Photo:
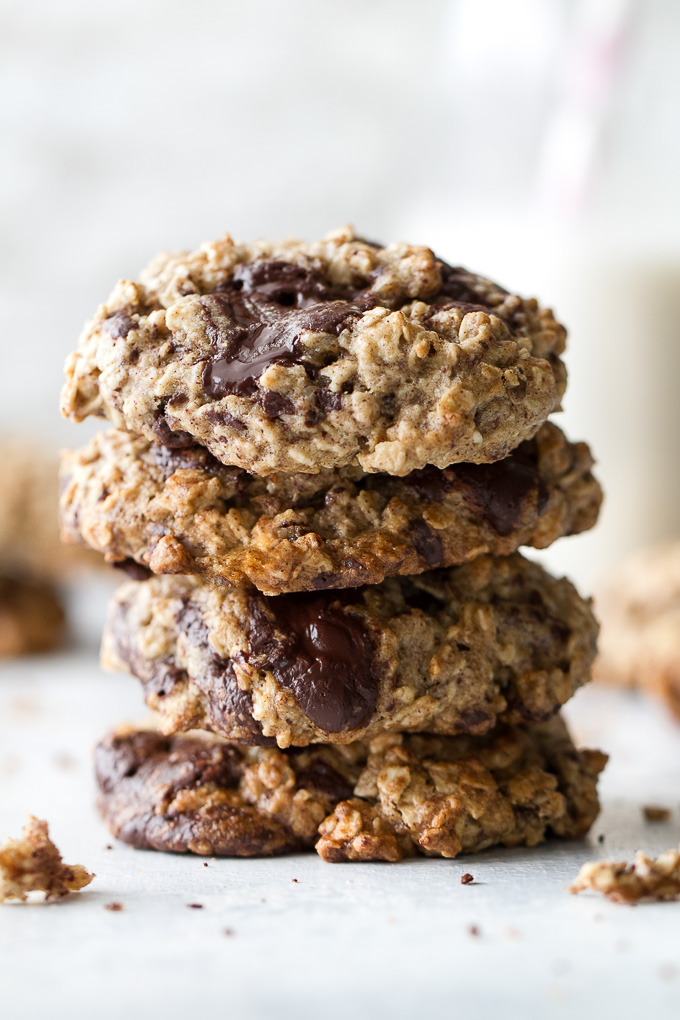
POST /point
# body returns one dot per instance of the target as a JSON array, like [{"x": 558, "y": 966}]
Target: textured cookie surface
[
  {"x": 296, "y": 357},
  {"x": 381, "y": 800},
  {"x": 446, "y": 651},
  {"x": 31, "y": 618},
  {"x": 640, "y": 613},
  {"x": 181, "y": 511}
]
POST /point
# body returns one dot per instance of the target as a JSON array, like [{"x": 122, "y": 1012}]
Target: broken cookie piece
[
  {"x": 33, "y": 864},
  {"x": 648, "y": 880}
]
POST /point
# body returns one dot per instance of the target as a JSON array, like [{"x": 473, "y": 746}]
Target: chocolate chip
[
  {"x": 174, "y": 438},
  {"x": 322, "y": 654},
  {"x": 499, "y": 491},
  {"x": 275, "y": 404},
  {"x": 218, "y": 417},
  {"x": 427, "y": 543},
  {"x": 135, "y": 571},
  {"x": 467, "y": 878},
  {"x": 328, "y": 400},
  {"x": 119, "y": 325},
  {"x": 195, "y": 906}
]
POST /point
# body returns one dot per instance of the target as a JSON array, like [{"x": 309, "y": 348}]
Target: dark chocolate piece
[
  {"x": 499, "y": 490},
  {"x": 119, "y": 325},
  {"x": 256, "y": 319},
  {"x": 322, "y": 654},
  {"x": 427, "y": 543}
]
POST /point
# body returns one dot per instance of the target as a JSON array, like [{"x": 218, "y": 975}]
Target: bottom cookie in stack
[{"x": 383, "y": 799}]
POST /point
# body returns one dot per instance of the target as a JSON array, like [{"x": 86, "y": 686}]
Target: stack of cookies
[{"x": 324, "y": 459}]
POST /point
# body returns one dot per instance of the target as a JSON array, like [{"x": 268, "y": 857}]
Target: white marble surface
[{"x": 344, "y": 940}]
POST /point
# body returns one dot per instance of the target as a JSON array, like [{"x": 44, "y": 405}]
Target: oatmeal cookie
[
  {"x": 382, "y": 800},
  {"x": 446, "y": 651},
  {"x": 31, "y": 618},
  {"x": 297, "y": 357},
  {"x": 640, "y": 613},
  {"x": 182, "y": 512},
  {"x": 29, "y": 528},
  {"x": 33, "y": 864}
]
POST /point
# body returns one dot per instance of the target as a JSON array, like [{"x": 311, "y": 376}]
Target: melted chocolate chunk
[
  {"x": 119, "y": 325},
  {"x": 427, "y": 543},
  {"x": 168, "y": 437},
  {"x": 323, "y": 655},
  {"x": 498, "y": 491},
  {"x": 257, "y": 318}
]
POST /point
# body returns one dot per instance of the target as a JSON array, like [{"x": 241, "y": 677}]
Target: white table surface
[{"x": 344, "y": 940}]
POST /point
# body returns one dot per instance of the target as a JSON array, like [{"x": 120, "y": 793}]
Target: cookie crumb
[
  {"x": 228, "y": 931},
  {"x": 113, "y": 906},
  {"x": 33, "y": 864},
  {"x": 647, "y": 880},
  {"x": 293, "y": 879},
  {"x": 600, "y": 838},
  {"x": 205, "y": 864},
  {"x": 467, "y": 878},
  {"x": 656, "y": 813},
  {"x": 108, "y": 847},
  {"x": 195, "y": 906},
  {"x": 474, "y": 930}
]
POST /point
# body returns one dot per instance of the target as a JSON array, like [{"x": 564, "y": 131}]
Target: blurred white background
[{"x": 536, "y": 141}]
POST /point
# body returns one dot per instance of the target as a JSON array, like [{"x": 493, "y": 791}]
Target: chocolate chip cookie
[
  {"x": 181, "y": 511},
  {"x": 31, "y": 618},
  {"x": 392, "y": 797},
  {"x": 640, "y": 612},
  {"x": 299, "y": 357},
  {"x": 446, "y": 651}
]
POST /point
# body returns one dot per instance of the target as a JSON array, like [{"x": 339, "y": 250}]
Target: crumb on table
[
  {"x": 647, "y": 880},
  {"x": 33, "y": 863}
]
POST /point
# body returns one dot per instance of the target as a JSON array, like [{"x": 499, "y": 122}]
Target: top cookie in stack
[
  {"x": 294, "y": 357},
  {"x": 301, "y": 418},
  {"x": 373, "y": 387}
]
